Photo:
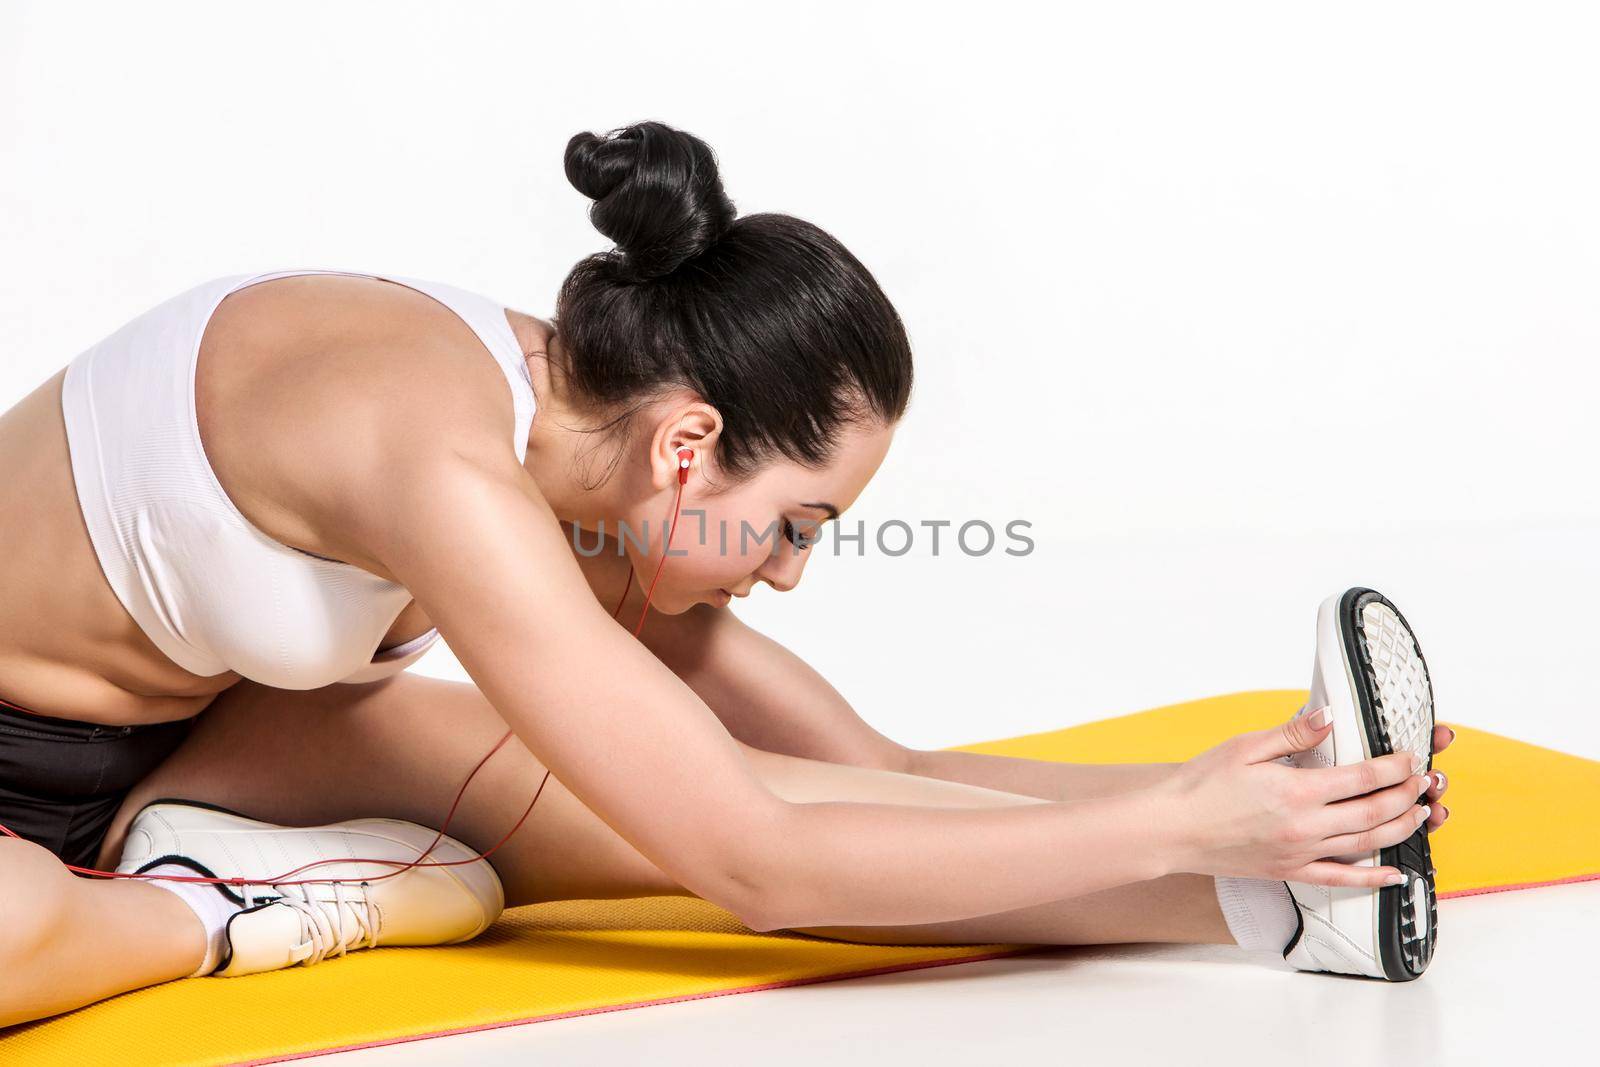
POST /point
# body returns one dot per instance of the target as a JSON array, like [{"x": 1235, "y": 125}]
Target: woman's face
[{"x": 727, "y": 542}]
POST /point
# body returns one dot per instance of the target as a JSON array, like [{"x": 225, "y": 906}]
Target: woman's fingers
[
  {"x": 1439, "y": 783},
  {"x": 1373, "y": 810},
  {"x": 1356, "y": 779},
  {"x": 1442, "y": 737},
  {"x": 1392, "y": 832},
  {"x": 1299, "y": 733},
  {"x": 1332, "y": 872}
]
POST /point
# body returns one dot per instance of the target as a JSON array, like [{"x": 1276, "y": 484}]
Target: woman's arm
[
  {"x": 1039, "y": 778},
  {"x": 764, "y": 694},
  {"x": 467, "y": 532},
  {"x": 771, "y": 699}
]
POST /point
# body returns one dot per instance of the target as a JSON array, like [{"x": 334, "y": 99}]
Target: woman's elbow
[
  {"x": 758, "y": 909},
  {"x": 769, "y": 908},
  {"x": 756, "y": 881}
]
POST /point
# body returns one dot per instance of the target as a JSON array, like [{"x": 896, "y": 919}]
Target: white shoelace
[{"x": 323, "y": 930}]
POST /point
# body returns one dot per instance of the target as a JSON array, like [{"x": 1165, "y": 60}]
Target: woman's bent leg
[
  {"x": 67, "y": 941},
  {"x": 402, "y": 747},
  {"x": 396, "y": 749}
]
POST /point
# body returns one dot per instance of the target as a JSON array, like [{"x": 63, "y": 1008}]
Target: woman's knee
[{"x": 35, "y": 895}]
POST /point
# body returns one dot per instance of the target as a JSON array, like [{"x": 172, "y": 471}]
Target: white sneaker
[
  {"x": 284, "y": 925},
  {"x": 1370, "y": 673}
]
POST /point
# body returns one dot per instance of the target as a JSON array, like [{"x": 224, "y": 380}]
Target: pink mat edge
[{"x": 812, "y": 980}]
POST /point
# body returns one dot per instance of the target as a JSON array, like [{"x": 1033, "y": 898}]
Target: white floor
[
  {"x": 1512, "y": 981},
  {"x": 1082, "y": 631}
]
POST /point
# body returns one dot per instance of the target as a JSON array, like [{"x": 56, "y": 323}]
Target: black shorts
[{"x": 61, "y": 781}]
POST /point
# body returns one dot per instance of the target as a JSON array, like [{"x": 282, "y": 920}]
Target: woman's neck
[{"x": 559, "y": 448}]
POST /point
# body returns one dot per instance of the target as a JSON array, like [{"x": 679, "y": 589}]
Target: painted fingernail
[
  {"x": 1439, "y": 776},
  {"x": 1319, "y": 718},
  {"x": 1426, "y": 811},
  {"x": 1452, "y": 733},
  {"x": 1395, "y": 879}
]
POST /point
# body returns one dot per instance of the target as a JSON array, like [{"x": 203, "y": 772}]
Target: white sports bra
[{"x": 211, "y": 589}]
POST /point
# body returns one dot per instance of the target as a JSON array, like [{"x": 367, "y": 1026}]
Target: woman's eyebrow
[{"x": 833, "y": 512}]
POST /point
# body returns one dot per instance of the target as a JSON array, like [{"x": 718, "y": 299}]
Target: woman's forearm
[
  {"x": 840, "y": 863},
  {"x": 1037, "y": 778}
]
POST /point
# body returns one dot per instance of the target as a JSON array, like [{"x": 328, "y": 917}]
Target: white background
[{"x": 1238, "y": 305}]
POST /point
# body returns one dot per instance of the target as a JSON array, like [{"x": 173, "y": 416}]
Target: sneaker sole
[{"x": 1386, "y": 671}]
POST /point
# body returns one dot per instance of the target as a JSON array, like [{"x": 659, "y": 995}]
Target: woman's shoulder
[{"x": 317, "y": 395}]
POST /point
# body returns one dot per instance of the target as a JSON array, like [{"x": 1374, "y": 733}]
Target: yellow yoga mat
[{"x": 1519, "y": 818}]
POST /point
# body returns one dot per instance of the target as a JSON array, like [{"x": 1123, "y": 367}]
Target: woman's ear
[{"x": 696, "y": 426}]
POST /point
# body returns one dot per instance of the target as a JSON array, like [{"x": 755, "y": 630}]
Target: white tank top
[{"x": 212, "y": 590}]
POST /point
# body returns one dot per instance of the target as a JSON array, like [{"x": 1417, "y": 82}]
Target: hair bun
[{"x": 656, "y": 194}]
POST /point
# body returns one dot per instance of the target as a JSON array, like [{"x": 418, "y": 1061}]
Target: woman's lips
[{"x": 727, "y": 597}]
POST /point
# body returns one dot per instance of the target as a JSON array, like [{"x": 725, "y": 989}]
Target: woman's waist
[
  {"x": 46, "y": 761},
  {"x": 117, "y": 691}
]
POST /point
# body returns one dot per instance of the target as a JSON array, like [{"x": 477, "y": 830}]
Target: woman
[{"x": 354, "y": 498}]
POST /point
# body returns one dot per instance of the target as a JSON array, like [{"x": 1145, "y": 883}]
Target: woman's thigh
[{"x": 401, "y": 749}]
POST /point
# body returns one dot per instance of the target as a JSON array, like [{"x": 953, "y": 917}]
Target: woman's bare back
[{"x": 267, "y": 410}]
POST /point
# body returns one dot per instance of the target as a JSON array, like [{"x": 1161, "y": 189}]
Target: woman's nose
[{"x": 783, "y": 568}]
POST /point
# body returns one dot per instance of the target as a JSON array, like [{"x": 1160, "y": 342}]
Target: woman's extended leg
[
  {"x": 1177, "y": 909},
  {"x": 400, "y": 749}
]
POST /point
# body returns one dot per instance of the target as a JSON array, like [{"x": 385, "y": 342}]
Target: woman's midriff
[{"x": 68, "y": 647}]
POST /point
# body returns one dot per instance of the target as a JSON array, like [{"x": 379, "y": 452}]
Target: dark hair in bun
[
  {"x": 656, "y": 195},
  {"x": 767, "y": 317}
]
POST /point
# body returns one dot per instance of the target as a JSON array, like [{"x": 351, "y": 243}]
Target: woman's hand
[
  {"x": 1442, "y": 736},
  {"x": 1244, "y": 813}
]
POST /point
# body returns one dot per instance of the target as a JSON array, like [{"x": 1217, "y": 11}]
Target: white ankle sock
[
  {"x": 1260, "y": 912},
  {"x": 209, "y": 902}
]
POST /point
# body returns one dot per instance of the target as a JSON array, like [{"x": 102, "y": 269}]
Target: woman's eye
[{"x": 799, "y": 541}]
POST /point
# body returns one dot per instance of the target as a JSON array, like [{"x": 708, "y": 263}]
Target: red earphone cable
[{"x": 684, "y": 455}]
